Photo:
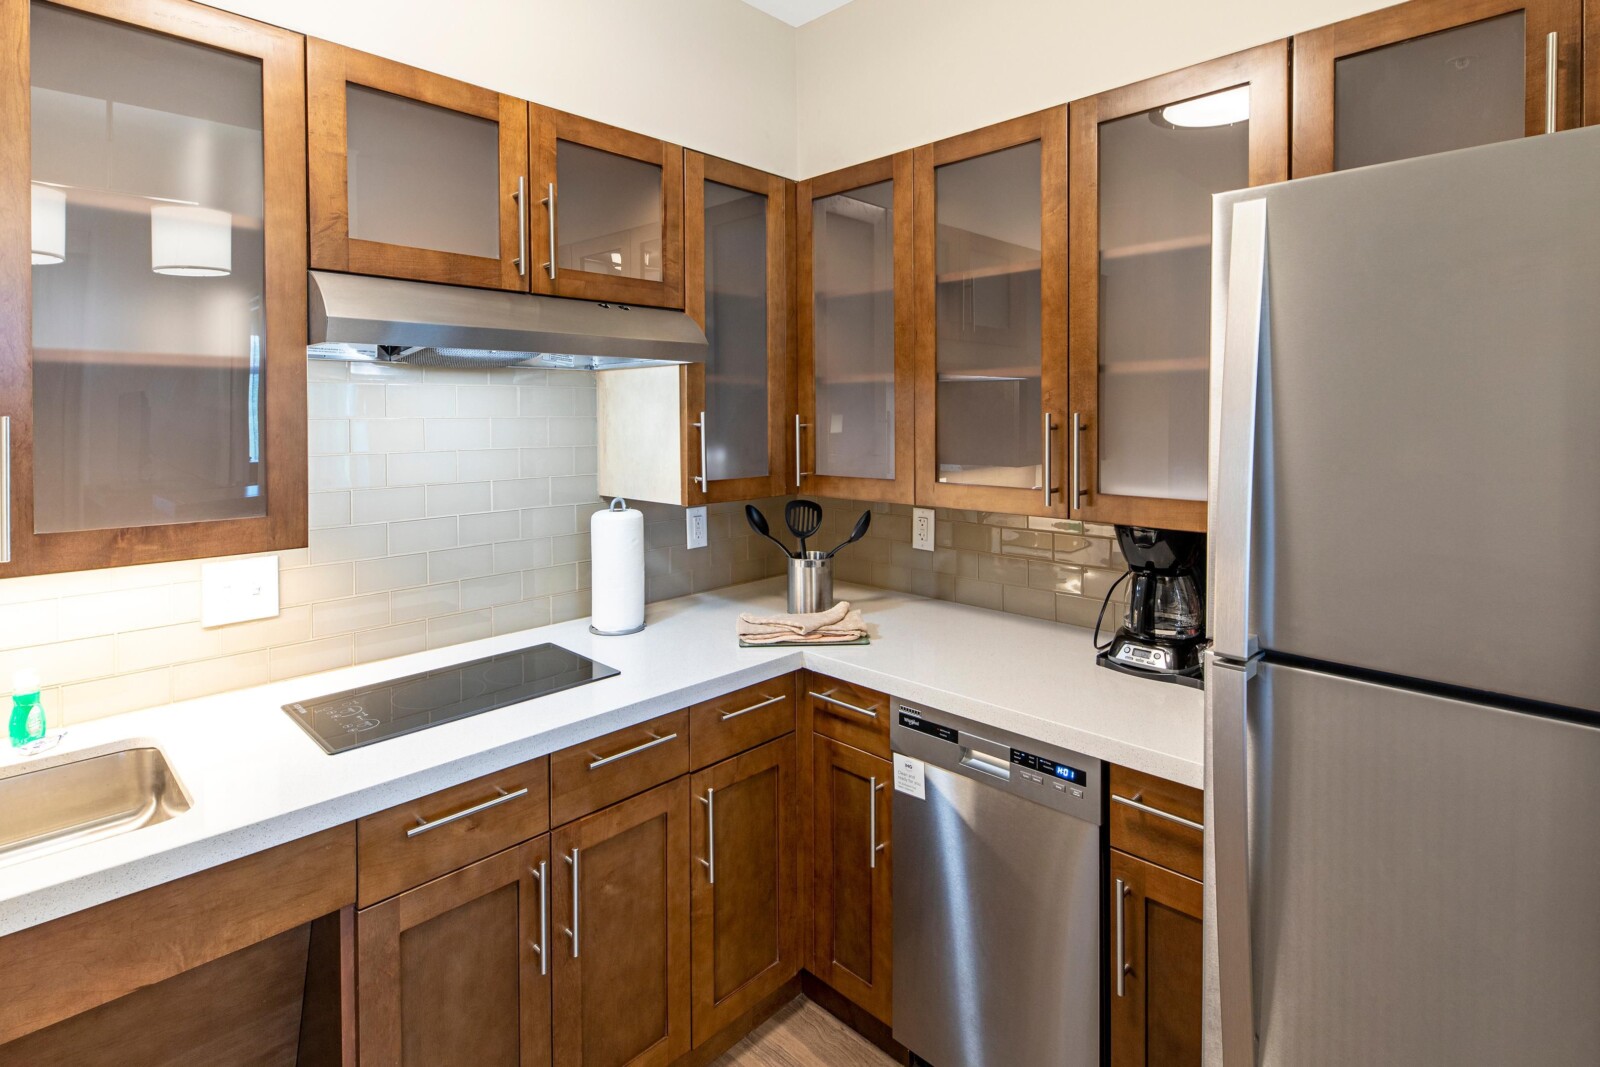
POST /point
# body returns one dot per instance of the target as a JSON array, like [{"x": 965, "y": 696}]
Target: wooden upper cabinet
[
  {"x": 736, "y": 250},
  {"x": 620, "y": 912},
  {"x": 1434, "y": 75},
  {"x": 165, "y": 192},
  {"x": 1146, "y": 160},
  {"x": 607, "y": 208},
  {"x": 991, "y": 307},
  {"x": 450, "y": 972},
  {"x": 414, "y": 175},
  {"x": 856, "y": 324},
  {"x": 1591, "y": 65}
]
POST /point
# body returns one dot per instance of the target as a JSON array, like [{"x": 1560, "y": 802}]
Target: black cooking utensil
[
  {"x": 804, "y": 519},
  {"x": 758, "y": 523},
  {"x": 855, "y": 535}
]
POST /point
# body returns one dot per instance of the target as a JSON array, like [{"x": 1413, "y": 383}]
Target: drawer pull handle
[
  {"x": 1157, "y": 812},
  {"x": 871, "y": 713},
  {"x": 634, "y": 751},
  {"x": 753, "y": 707},
  {"x": 424, "y": 825}
]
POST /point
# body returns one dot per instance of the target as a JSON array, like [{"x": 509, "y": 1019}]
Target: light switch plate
[
  {"x": 695, "y": 519},
  {"x": 238, "y": 590},
  {"x": 922, "y": 529}
]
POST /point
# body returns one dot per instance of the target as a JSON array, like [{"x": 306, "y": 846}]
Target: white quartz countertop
[{"x": 257, "y": 780}]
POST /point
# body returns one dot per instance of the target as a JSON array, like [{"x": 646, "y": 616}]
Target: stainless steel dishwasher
[{"x": 997, "y": 881}]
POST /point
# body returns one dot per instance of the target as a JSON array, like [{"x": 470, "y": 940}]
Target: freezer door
[
  {"x": 1422, "y": 879},
  {"x": 1426, "y": 483}
]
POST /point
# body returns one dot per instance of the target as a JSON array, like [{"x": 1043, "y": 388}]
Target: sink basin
[{"x": 86, "y": 799}]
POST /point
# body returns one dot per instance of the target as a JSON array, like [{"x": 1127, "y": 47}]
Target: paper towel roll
[{"x": 616, "y": 549}]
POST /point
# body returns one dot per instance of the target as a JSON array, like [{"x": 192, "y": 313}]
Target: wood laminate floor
[{"x": 801, "y": 1034}]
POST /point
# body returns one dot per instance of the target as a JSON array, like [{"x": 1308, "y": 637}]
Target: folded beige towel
[{"x": 838, "y": 624}]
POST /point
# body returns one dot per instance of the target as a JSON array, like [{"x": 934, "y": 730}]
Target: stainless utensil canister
[{"x": 810, "y": 583}]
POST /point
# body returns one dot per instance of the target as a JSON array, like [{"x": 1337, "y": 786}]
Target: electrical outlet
[
  {"x": 922, "y": 529},
  {"x": 238, "y": 590},
  {"x": 696, "y": 520}
]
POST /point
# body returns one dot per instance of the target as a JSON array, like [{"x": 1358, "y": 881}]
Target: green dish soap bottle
[{"x": 27, "y": 713}]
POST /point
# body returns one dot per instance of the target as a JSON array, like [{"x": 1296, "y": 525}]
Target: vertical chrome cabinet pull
[
  {"x": 544, "y": 918},
  {"x": 549, "y": 203},
  {"x": 1075, "y": 492},
  {"x": 1049, "y": 476},
  {"x": 799, "y": 462},
  {"x": 1552, "y": 63},
  {"x": 1122, "y": 938},
  {"x": 520, "y": 196},
  {"x": 5, "y": 488},
  {"x": 872, "y": 823},
  {"x": 703, "y": 478},
  {"x": 572, "y": 932},
  {"x": 710, "y": 801}
]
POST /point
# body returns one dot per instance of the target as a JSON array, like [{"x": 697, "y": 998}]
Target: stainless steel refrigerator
[{"x": 1403, "y": 697}]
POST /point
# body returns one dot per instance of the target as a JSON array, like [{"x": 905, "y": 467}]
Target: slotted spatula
[{"x": 804, "y": 519}]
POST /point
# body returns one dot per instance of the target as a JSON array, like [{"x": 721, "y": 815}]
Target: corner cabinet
[
  {"x": 739, "y": 230},
  {"x": 1434, "y": 75},
  {"x": 607, "y": 208},
  {"x": 1146, "y": 160},
  {"x": 414, "y": 175},
  {"x": 165, "y": 187},
  {"x": 854, "y": 430},
  {"x": 991, "y": 304}
]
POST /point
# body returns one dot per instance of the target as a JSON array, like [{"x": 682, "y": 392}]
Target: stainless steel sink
[{"x": 77, "y": 801}]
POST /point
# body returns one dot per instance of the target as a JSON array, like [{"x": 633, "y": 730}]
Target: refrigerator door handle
[
  {"x": 1233, "y": 505},
  {"x": 1230, "y": 1039}
]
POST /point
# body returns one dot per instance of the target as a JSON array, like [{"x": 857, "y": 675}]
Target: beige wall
[
  {"x": 713, "y": 75},
  {"x": 877, "y": 76}
]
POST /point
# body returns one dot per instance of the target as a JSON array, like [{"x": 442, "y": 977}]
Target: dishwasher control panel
[{"x": 1058, "y": 778}]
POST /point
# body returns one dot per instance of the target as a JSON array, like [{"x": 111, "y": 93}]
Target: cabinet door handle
[
  {"x": 549, "y": 203},
  {"x": 872, "y": 824},
  {"x": 1552, "y": 61},
  {"x": 544, "y": 918},
  {"x": 1137, "y": 805},
  {"x": 634, "y": 751},
  {"x": 424, "y": 825},
  {"x": 572, "y": 931},
  {"x": 753, "y": 707},
  {"x": 710, "y": 862},
  {"x": 520, "y": 196},
  {"x": 870, "y": 713},
  {"x": 1075, "y": 493},
  {"x": 799, "y": 463},
  {"x": 1122, "y": 938},
  {"x": 702, "y": 479},
  {"x": 1049, "y": 476},
  {"x": 5, "y": 488}
]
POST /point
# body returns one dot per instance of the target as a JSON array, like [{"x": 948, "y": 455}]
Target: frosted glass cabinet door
[
  {"x": 415, "y": 175},
  {"x": 1431, "y": 76},
  {"x": 991, "y": 317},
  {"x": 155, "y": 397},
  {"x": 1146, "y": 161},
  {"x": 853, "y": 433},
  {"x": 608, "y": 219},
  {"x": 736, "y": 255}
]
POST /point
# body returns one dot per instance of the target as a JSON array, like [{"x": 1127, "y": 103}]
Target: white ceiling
[{"x": 796, "y": 12}]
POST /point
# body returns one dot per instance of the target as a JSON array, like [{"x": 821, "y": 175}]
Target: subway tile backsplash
[{"x": 445, "y": 505}]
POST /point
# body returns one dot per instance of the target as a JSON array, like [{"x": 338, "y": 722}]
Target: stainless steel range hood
[{"x": 360, "y": 318}]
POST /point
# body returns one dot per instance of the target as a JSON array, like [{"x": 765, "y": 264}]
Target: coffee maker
[{"x": 1163, "y": 633}]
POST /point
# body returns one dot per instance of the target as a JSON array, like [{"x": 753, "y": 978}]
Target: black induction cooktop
[{"x": 342, "y": 721}]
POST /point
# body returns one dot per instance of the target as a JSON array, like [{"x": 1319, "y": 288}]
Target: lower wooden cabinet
[
  {"x": 1154, "y": 974},
  {"x": 620, "y": 922},
  {"x": 450, "y": 972},
  {"x": 853, "y": 935},
  {"x": 746, "y": 928}
]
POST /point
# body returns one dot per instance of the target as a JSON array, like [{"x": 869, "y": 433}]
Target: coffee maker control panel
[{"x": 1153, "y": 659}]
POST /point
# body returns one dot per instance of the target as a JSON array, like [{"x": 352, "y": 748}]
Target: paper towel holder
[{"x": 617, "y": 504}]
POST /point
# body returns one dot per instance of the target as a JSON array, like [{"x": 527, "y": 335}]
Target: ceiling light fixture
[
  {"x": 191, "y": 242},
  {"x": 1217, "y": 109}
]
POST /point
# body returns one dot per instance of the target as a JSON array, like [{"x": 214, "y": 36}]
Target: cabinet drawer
[
  {"x": 850, "y": 713},
  {"x": 588, "y": 777},
  {"x": 412, "y": 843},
  {"x": 1157, "y": 820},
  {"x": 740, "y": 721}
]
